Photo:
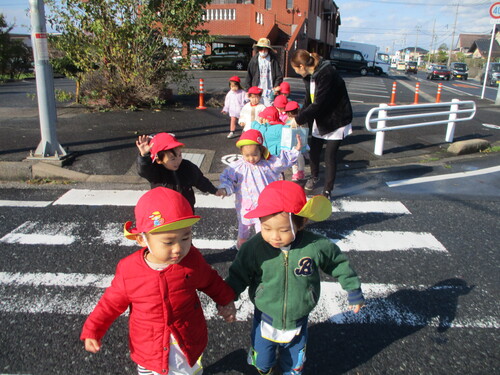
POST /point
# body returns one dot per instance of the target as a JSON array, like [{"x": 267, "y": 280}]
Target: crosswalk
[{"x": 77, "y": 293}]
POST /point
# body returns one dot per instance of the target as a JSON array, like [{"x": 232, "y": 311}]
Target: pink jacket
[{"x": 161, "y": 303}]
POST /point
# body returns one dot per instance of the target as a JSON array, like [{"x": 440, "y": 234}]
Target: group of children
[
  {"x": 159, "y": 282},
  {"x": 246, "y": 108}
]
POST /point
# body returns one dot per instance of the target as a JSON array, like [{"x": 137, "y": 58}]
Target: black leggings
[{"x": 316, "y": 145}]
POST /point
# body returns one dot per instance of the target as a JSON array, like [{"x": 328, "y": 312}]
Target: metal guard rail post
[{"x": 454, "y": 110}]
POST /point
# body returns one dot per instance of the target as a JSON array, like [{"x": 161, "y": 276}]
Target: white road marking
[
  {"x": 385, "y": 302},
  {"x": 85, "y": 197},
  {"x": 9, "y": 203},
  {"x": 386, "y": 207},
  {"x": 388, "y": 241},
  {"x": 491, "y": 126},
  {"x": 33, "y": 233},
  {"x": 443, "y": 177}
]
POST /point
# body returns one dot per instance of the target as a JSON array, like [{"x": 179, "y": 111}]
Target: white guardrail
[{"x": 451, "y": 110}]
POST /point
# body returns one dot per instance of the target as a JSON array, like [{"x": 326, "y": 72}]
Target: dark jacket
[
  {"x": 253, "y": 74},
  {"x": 181, "y": 180},
  {"x": 331, "y": 108}
]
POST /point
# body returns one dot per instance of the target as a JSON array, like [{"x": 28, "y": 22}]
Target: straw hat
[{"x": 264, "y": 43}]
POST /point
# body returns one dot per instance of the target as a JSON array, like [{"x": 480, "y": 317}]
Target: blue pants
[{"x": 292, "y": 355}]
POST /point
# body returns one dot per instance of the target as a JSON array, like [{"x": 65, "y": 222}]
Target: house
[
  {"x": 411, "y": 54},
  {"x": 288, "y": 24},
  {"x": 465, "y": 41},
  {"x": 480, "y": 47}
]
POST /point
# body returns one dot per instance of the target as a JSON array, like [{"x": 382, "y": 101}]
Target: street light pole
[{"x": 48, "y": 147}]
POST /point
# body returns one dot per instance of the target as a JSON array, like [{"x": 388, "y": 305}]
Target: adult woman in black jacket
[{"x": 328, "y": 112}]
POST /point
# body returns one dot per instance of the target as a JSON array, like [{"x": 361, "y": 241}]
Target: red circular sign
[{"x": 495, "y": 10}]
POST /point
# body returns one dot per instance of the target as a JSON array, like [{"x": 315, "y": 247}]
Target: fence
[{"x": 451, "y": 109}]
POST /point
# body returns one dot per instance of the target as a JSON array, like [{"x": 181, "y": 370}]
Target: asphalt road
[{"x": 426, "y": 253}]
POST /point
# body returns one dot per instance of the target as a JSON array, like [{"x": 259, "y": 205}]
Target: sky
[{"x": 389, "y": 24}]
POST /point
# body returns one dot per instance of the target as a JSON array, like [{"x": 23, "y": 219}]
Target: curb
[{"x": 27, "y": 170}]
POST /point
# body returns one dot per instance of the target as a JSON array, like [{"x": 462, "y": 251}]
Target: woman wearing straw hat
[{"x": 264, "y": 70}]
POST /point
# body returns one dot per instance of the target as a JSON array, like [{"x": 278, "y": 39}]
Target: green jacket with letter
[{"x": 287, "y": 287}]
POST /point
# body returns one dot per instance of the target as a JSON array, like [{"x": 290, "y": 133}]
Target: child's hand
[
  {"x": 298, "y": 146},
  {"x": 242, "y": 124},
  {"x": 223, "y": 112},
  {"x": 355, "y": 308},
  {"x": 221, "y": 192},
  {"x": 92, "y": 345},
  {"x": 143, "y": 145},
  {"x": 228, "y": 312}
]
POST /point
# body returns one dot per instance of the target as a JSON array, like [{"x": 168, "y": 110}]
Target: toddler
[
  {"x": 161, "y": 163},
  {"x": 250, "y": 111},
  {"x": 235, "y": 99},
  {"x": 159, "y": 284},
  {"x": 268, "y": 118},
  {"x": 281, "y": 268},
  {"x": 280, "y": 103},
  {"x": 292, "y": 109},
  {"x": 247, "y": 177}
]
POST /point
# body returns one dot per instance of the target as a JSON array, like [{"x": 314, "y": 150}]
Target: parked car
[
  {"x": 226, "y": 58},
  {"x": 411, "y": 67},
  {"x": 347, "y": 59},
  {"x": 459, "y": 70},
  {"x": 493, "y": 76},
  {"x": 438, "y": 71}
]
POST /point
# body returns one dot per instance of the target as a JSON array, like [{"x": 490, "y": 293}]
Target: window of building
[
  {"x": 268, "y": 4},
  {"x": 289, "y": 4}
]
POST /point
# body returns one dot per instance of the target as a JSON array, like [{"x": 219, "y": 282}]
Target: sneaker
[
  {"x": 311, "y": 183},
  {"x": 230, "y": 135},
  {"x": 298, "y": 176}
]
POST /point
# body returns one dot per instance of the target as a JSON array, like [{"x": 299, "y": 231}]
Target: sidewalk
[{"x": 102, "y": 149}]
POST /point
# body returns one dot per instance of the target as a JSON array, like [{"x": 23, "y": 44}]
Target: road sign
[{"x": 495, "y": 12}]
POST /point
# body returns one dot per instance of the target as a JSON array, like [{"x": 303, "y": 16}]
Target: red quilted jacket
[{"x": 161, "y": 303}]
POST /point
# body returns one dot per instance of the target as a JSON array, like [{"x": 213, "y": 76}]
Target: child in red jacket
[{"x": 159, "y": 283}]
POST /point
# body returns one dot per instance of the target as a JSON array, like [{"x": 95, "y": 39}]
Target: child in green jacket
[{"x": 280, "y": 266}]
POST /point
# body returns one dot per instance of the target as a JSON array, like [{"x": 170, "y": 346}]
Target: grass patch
[
  {"x": 492, "y": 149},
  {"x": 47, "y": 181}
]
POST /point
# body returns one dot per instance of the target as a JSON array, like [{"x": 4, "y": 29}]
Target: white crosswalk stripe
[
  {"x": 382, "y": 307},
  {"x": 77, "y": 293}
]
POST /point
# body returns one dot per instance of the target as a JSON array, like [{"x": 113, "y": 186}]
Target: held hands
[
  {"x": 221, "y": 193},
  {"x": 228, "y": 312},
  {"x": 143, "y": 145},
  {"x": 92, "y": 345}
]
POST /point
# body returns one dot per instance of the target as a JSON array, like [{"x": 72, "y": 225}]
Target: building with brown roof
[{"x": 288, "y": 24}]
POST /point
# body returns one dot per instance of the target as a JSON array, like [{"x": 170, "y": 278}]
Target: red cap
[
  {"x": 284, "y": 88},
  {"x": 252, "y": 137},
  {"x": 160, "y": 210},
  {"x": 255, "y": 90},
  {"x": 163, "y": 142},
  {"x": 235, "y": 79},
  {"x": 280, "y": 101},
  {"x": 287, "y": 196},
  {"x": 291, "y": 106},
  {"x": 271, "y": 115}
]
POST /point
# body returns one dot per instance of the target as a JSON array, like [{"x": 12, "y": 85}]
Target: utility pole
[
  {"x": 416, "y": 45},
  {"x": 432, "y": 42},
  {"x": 453, "y": 36},
  {"x": 48, "y": 148}
]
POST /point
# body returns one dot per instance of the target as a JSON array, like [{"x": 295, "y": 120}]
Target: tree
[
  {"x": 15, "y": 56},
  {"x": 119, "y": 46}
]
